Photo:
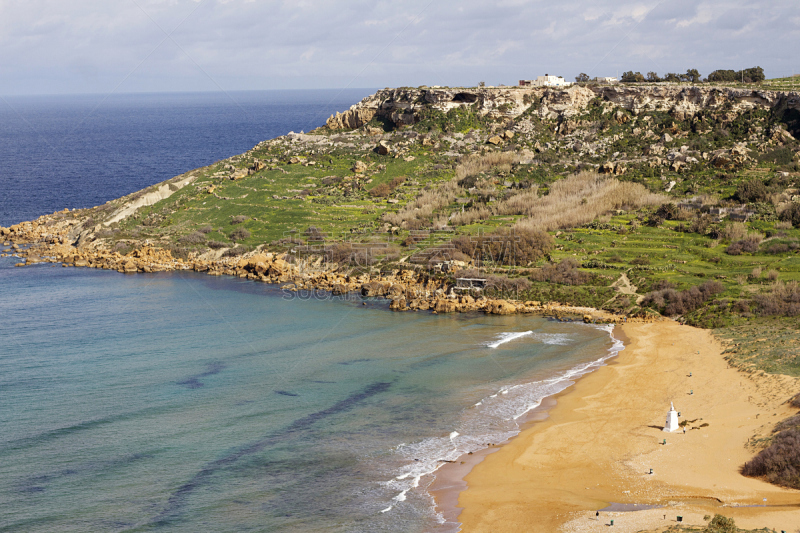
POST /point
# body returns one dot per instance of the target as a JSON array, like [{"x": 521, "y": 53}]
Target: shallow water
[{"x": 186, "y": 402}]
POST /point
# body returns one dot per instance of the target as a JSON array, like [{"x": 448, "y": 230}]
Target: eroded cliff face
[{"x": 402, "y": 107}]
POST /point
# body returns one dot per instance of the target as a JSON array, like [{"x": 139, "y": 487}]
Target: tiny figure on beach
[
  {"x": 684, "y": 430},
  {"x": 597, "y": 515}
]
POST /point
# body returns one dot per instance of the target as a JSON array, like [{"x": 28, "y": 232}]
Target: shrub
[
  {"x": 507, "y": 247},
  {"x": 313, "y": 233},
  {"x": 565, "y": 273},
  {"x": 347, "y": 254},
  {"x": 747, "y": 245},
  {"x": 779, "y": 463},
  {"x": 751, "y": 191},
  {"x": 791, "y": 214},
  {"x": 205, "y": 229},
  {"x": 239, "y": 234},
  {"x": 504, "y": 284},
  {"x": 178, "y": 252},
  {"x": 381, "y": 190},
  {"x": 671, "y": 302},
  {"x": 193, "y": 238},
  {"x": 238, "y": 219},
  {"x": 721, "y": 524},
  {"x": 216, "y": 245},
  {"x": 235, "y": 251},
  {"x": 782, "y": 300},
  {"x": 641, "y": 260}
]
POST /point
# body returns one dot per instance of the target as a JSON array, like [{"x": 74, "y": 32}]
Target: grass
[{"x": 609, "y": 226}]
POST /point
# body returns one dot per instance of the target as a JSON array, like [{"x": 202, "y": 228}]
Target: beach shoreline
[
  {"x": 449, "y": 480},
  {"x": 595, "y": 445}
]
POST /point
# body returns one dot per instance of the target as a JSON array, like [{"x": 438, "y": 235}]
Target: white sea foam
[
  {"x": 545, "y": 338},
  {"x": 492, "y": 420}
]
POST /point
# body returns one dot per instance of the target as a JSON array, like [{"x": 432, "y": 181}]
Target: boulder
[
  {"x": 501, "y": 307},
  {"x": 359, "y": 167},
  {"x": 374, "y": 288},
  {"x": 445, "y": 306},
  {"x": 495, "y": 140},
  {"x": 398, "y": 304},
  {"x": 382, "y": 148}
]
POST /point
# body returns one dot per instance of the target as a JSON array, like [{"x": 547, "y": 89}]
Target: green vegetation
[{"x": 693, "y": 215}]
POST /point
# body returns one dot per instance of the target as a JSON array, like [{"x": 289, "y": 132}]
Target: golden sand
[{"x": 605, "y": 434}]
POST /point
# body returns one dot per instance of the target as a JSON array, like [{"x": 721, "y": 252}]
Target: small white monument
[{"x": 672, "y": 419}]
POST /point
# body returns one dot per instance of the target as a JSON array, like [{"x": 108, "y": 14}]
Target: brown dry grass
[
  {"x": 425, "y": 205},
  {"x": 475, "y": 164},
  {"x": 582, "y": 197}
]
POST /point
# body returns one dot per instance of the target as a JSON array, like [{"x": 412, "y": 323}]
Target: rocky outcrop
[{"x": 401, "y": 107}]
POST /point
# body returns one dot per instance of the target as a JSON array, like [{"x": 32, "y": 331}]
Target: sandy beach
[{"x": 598, "y": 443}]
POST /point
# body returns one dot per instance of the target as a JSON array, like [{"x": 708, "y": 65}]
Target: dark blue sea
[{"x": 185, "y": 402}]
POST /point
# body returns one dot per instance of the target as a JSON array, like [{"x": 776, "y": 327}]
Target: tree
[
  {"x": 753, "y": 75},
  {"x": 693, "y": 75},
  {"x": 652, "y": 77},
  {"x": 632, "y": 77},
  {"x": 722, "y": 76},
  {"x": 482, "y": 84},
  {"x": 671, "y": 76},
  {"x": 582, "y": 77}
]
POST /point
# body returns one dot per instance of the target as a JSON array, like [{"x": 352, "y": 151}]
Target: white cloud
[{"x": 93, "y": 45}]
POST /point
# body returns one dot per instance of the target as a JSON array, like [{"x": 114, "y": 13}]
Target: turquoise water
[{"x": 184, "y": 402}]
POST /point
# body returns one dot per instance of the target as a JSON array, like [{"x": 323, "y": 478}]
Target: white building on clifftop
[{"x": 546, "y": 81}]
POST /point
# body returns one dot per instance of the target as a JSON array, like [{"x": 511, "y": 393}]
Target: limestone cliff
[{"x": 401, "y": 107}]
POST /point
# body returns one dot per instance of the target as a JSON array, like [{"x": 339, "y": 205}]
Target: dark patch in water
[
  {"x": 193, "y": 382},
  {"x": 323, "y": 382},
  {"x": 286, "y": 393},
  {"x": 176, "y": 501},
  {"x": 82, "y": 426},
  {"x": 38, "y": 483},
  {"x": 353, "y": 361}
]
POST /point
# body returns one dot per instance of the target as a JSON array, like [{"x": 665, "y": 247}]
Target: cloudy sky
[{"x": 100, "y": 46}]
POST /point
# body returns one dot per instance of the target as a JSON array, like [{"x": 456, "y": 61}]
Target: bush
[
  {"x": 193, "y": 238},
  {"x": 381, "y": 190},
  {"x": 791, "y": 214},
  {"x": 216, "y": 245},
  {"x": 751, "y": 191},
  {"x": 565, "y": 273},
  {"x": 504, "y": 284},
  {"x": 206, "y": 229},
  {"x": 239, "y": 234},
  {"x": 313, "y": 233},
  {"x": 670, "y": 302},
  {"x": 507, "y": 247},
  {"x": 779, "y": 463},
  {"x": 747, "y": 245},
  {"x": 238, "y": 219},
  {"x": 236, "y": 251},
  {"x": 782, "y": 300},
  {"x": 721, "y": 524}
]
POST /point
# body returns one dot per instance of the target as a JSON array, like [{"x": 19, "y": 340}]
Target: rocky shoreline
[{"x": 47, "y": 240}]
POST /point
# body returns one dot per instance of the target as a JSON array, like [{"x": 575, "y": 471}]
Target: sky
[{"x": 104, "y": 46}]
